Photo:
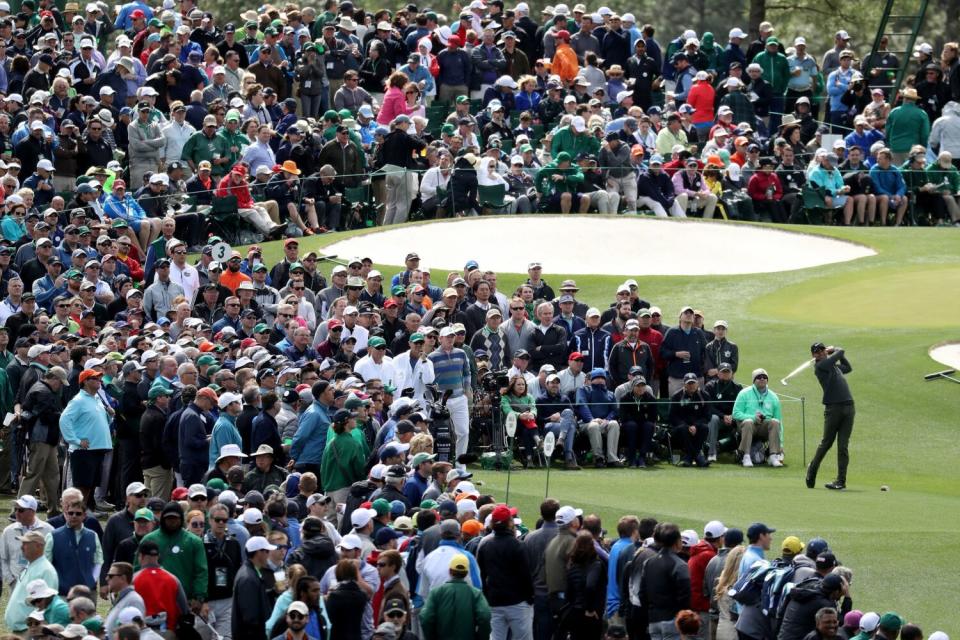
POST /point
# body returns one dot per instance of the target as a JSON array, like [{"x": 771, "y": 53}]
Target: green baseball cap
[
  {"x": 330, "y": 115},
  {"x": 428, "y": 504},
  {"x": 297, "y": 265},
  {"x": 422, "y": 457},
  {"x": 525, "y": 147},
  {"x": 155, "y": 22},
  {"x": 397, "y": 289},
  {"x": 233, "y": 115},
  {"x": 381, "y": 506},
  {"x": 119, "y": 223},
  {"x": 206, "y": 359},
  {"x": 144, "y": 514},
  {"x": 377, "y": 341},
  {"x": 344, "y": 113},
  {"x": 416, "y": 337},
  {"x": 448, "y": 129},
  {"x": 159, "y": 389},
  {"x": 462, "y": 99},
  {"x": 261, "y": 328},
  {"x": 73, "y": 274},
  {"x": 217, "y": 483}
]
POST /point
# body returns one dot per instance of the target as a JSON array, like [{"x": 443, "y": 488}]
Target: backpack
[
  {"x": 747, "y": 589},
  {"x": 776, "y": 584}
]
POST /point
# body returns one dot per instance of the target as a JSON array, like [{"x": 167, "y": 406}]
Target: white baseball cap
[
  {"x": 565, "y": 515},
  {"x": 362, "y": 517},
  {"x": 713, "y": 530},
  {"x": 259, "y": 543},
  {"x": 736, "y": 32},
  {"x": 252, "y": 516},
  {"x": 27, "y": 502},
  {"x": 578, "y": 124},
  {"x": 229, "y": 398},
  {"x": 351, "y": 541},
  {"x": 689, "y": 537}
]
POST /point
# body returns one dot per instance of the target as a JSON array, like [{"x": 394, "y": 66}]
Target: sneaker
[
  {"x": 836, "y": 485},
  {"x": 571, "y": 465},
  {"x": 776, "y": 460},
  {"x": 712, "y": 457},
  {"x": 747, "y": 461},
  {"x": 811, "y": 482},
  {"x": 103, "y": 505}
]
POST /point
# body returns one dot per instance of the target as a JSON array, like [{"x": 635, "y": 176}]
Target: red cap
[
  {"x": 291, "y": 240},
  {"x": 207, "y": 393},
  {"x": 301, "y": 387},
  {"x": 180, "y": 493},
  {"x": 576, "y": 355},
  {"x": 636, "y": 150},
  {"x": 49, "y": 14},
  {"x": 119, "y": 183},
  {"x": 333, "y": 322},
  {"x": 419, "y": 289},
  {"x": 366, "y": 505},
  {"x": 502, "y": 513},
  {"x": 454, "y": 41},
  {"x": 390, "y": 304},
  {"x": 563, "y": 34},
  {"x": 247, "y": 342},
  {"x": 136, "y": 14},
  {"x": 86, "y": 374},
  {"x": 207, "y": 346}
]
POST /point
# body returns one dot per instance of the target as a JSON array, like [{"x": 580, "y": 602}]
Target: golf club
[{"x": 803, "y": 366}]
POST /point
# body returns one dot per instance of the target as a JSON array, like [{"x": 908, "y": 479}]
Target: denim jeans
[
  {"x": 515, "y": 620},
  {"x": 567, "y": 427},
  {"x": 665, "y": 630}
]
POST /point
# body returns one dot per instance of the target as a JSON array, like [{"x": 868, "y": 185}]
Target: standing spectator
[
  {"x": 160, "y": 589},
  {"x": 456, "y": 609},
  {"x": 343, "y": 459},
  {"x": 43, "y": 402},
  {"x": 907, "y": 125},
  {"x": 224, "y": 559},
  {"x": 252, "y": 600},
  {"x": 665, "y": 585},
  {"x": 181, "y": 553},
  {"x": 586, "y": 589},
  {"x": 85, "y": 427},
  {"x": 36, "y": 567},
  {"x": 194, "y": 445},
  {"x": 74, "y": 550},
  {"x": 506, "y": 576},
  {"x": 683, "y": 350}
]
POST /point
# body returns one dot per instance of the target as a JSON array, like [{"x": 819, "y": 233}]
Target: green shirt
[
  {"x": 566, "y": 140},
  {"x": 573, "y": 177},
  {"x": 183, "y": 555}
]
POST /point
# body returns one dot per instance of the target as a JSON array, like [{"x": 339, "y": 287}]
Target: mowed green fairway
[{"x": 886, "y": 310}]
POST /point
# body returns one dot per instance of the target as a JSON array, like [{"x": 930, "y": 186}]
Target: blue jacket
[
  {"x": 675, "y": 339},
  {"x": 194, "y": 447},
  {"x": 455, "y": 67},
  {"x": 311, "y": 437},
  {"x": 864, "y": 140},
  {"x": 595, "y": 402},
  {"x": 415, "y": 487},
  {"x": 888, "y": 182},
  {"x": 420, "y": 75},
  {"x": 45, "y": 291},
  {"x": 594, "y": 345}
]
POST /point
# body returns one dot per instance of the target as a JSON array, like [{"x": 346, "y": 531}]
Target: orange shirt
[
  {"x": 232, "y": 280},
  {"x": 564, "y": 63}
]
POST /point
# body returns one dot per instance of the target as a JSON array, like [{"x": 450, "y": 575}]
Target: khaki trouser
[
  {"x": 595, "y": 434},
  {"x": 259, "y": 218},
  {"x": 159, "y": 481},
  {"x": 399, "y": 195},
  {"x": 627, "y": 186},
  {"x": 449, "y": 92},
  {"x": 705, "y": 201},
  {"x": 273, "y": 210},
  {"x": 43, "y": 466},
  {"x": 768, "y": 430}
]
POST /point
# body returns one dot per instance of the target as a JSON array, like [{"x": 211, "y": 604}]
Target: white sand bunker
[
  {"x": 948, "y": 354},
  {"x": 584, "y": 244}
]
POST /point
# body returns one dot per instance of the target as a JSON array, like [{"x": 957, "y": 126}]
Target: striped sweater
[{"x": 451, "y": 370}]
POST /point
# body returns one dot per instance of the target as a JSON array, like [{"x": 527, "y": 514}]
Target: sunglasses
[
  {"x": 76, "y": 513},
  {"x": 395, "y": 614},
  {"x": 220, "y": 520},
  {"x": 179, "y": 253},
  {"x": 114, "y": 575},
  {"x": 293, "y": 615},
  {"x": 762, "y": 376}
]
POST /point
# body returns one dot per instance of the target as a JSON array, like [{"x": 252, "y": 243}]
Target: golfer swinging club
[{"x": 830, "y": 365}]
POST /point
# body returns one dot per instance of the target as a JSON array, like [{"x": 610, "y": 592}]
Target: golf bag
[{"x": 440, "y": 428}]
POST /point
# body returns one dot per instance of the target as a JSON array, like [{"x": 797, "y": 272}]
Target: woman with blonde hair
[
  {"x": 527, "y": 98},
  {"x": 726, "y": 626},
  {"x": 421, "y": 443},
  {"x": 289, "y": 588}
]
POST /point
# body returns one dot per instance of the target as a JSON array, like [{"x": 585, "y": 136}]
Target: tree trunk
[{"x": 758, "y": 13}]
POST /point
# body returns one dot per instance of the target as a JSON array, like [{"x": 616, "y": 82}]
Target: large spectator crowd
[
  {"x": 307, "y": 121},
  {"x": 281, "y": 450}
]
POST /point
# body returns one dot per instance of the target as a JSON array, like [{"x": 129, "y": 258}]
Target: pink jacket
[{"x": 394, "y": 104}]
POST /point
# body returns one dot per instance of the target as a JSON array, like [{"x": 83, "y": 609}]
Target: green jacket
[
  {"x": 199, "y": 148},
  {"x": 183, "y": 555},
  {"x": 343, "y": 463},
  {"x": 947, "y": 180},
  {"x": 547, "y": 187},
  {"x": 58, "y": 612},
  {"x": 566, "y": 140},
  {"x": 776, "y": 70},
  {"x": 907, "y": 125},
  {"x": 749, "y": 401},
  {"x": 510, "y": 403},
  {"x": 455, "y": 610},
  {"x": 221, "y": 149}
]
